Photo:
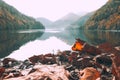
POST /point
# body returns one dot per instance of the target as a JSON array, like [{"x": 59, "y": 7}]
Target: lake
[{"x": 26, "y": 43}]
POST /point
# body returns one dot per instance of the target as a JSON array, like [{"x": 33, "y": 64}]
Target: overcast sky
[{"x": 55, "y": 9}]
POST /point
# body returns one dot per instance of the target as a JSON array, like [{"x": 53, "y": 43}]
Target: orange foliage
[
  {"x": 113, "y": 19},
  {"x": 83, "y": 46},
  {"x": 89, "y": 73},
  {"x": 77, "y": 46}
]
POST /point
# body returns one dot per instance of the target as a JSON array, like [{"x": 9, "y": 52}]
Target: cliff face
[
  {"x": 106, "y": 18},
  {"x": 11, "y": 19}
]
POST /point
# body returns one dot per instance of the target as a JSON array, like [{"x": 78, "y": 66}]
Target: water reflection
[
  {"x": 10, "y": 41},
  {"x": 92, "y": 37},
  {"x": 98, "y": 37},
  {"x": 67, "y": 36},
  {"x": 31, "y": 42},
  {"x": 37, "y": 47}
]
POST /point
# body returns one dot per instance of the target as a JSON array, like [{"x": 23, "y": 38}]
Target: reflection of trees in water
[
  {"x": 10, "y": 41},
  {"x": 74, "y": 34},
  {"x": 98, "y": 37},
  {"x": 67, "y": 36}
]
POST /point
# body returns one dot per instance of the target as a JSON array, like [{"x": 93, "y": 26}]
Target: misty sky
[{"x": 55, "y": 9}]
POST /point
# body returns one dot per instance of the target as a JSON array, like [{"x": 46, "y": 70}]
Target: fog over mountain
[
  {"x": 44, "y": 21},
  {"x": 80, "y": 22},
  {"x": 60, "y": 23}
]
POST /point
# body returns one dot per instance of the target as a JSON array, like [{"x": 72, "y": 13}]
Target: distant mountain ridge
[
  {"x": 81, "y": 21},
  {"x": 106, "y": 18},
  {"x": 44, "y": 21},
  {"x": 70, "y": 16},
  {"x": 64, "y": 21},
  {"x": 12, "y": 19}
]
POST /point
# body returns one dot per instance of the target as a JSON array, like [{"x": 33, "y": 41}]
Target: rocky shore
[{"x": 65, "y": 65}]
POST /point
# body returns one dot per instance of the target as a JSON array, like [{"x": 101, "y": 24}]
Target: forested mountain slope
[
  {"x": 12, "y": 19},
  {"x": 106, "y": 18}
]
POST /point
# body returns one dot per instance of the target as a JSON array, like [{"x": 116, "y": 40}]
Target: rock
[
  {"x": 44, "y": 59},
  {"x": 104, "y": 60},
  {"x": 26, "y": 65},
  {"x": 9, "y": 62},
  {"x": 35, "y": 59},
  {"x": 74, "y": 75},
  {"x": 82, "y": 63},
  {"x": 63, "y": 57}
]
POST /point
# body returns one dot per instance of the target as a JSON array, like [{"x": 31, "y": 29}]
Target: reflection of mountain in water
[
  {"x": 10, "y": 41},
  {"x": 67, "y": 36},
  {"x": 98, "y": 37},
  {"x": 92, "y": 37}
]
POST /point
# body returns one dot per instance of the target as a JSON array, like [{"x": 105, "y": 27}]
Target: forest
[{"x": 12, "y": 19}]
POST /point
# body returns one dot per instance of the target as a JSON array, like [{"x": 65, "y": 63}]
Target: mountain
[
  {"x": 64, "y": 21},
  {"x": 106, "y": 18},
  {"x": 12, "y": 19},
  {"x": 81, "y": 21},
  {"x": 44, "y": 21},
  {"x": 70, "y": 16},
  {"x": 82, "y": 13}
]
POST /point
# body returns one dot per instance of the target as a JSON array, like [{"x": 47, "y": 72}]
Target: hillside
[
  {"x": 11, "y": 19},
  {"x": 80, "y": 22},
  {"x": 44, "y": 21},
  {"x": 106, "y": 18},
  {"x": 64, "y": 21}
]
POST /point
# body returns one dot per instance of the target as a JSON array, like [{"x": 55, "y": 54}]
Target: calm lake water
[{"x": 23, "y": 44}]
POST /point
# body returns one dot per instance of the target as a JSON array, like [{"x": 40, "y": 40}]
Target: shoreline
[{"x": 73, "y": 63}]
